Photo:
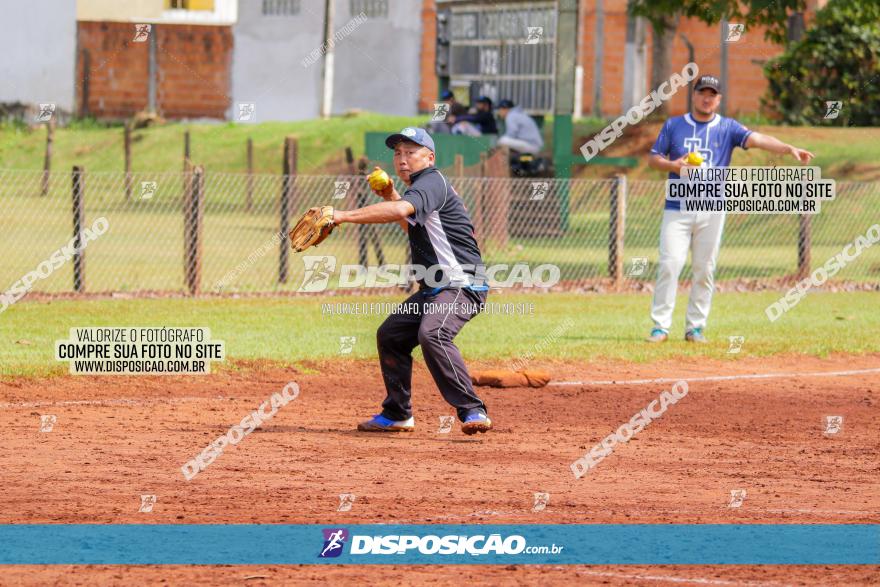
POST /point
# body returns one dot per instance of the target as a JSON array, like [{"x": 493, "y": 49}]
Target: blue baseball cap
[{"x": 418, "y": 136}]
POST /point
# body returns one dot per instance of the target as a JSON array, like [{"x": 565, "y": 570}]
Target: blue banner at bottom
[{"x": 590, "y": 544}]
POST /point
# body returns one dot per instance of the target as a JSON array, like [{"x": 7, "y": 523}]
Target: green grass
[
  {"x": 292, "y": 330},
  {"x": 220, "y": 146},
  {"x": 843, "y": 153}
]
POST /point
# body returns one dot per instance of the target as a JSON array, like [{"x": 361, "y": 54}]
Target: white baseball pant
[{"x": 701, "y": 233}]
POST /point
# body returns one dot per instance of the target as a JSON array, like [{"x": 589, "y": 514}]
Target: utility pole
[{"x": 327, "y": 71}]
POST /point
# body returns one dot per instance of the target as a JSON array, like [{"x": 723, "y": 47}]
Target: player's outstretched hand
[{"x": 800, "y": 154}]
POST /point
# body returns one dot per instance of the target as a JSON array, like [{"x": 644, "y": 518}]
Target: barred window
[
  {"x": 280, "y": 7},
  {"x": 370, "y": 8}
]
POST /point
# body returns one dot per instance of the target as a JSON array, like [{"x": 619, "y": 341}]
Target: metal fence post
[
  {"x": 360, "y": 200},
  {"x": 370, "y": 230},
  {"x": 805, "y": 245},
  {"x": 193, "y": 212},
  {"x": 249, "y": 186},
  {"x": 287, "y": 193},
  {"x": 126, "y": 143},
  {"x": 79, "y": 256},
  {"x": 187, "y": 184},
  {"x": 47, "y": 161},
  {"x": 616, "y": 227},
  {"x": 186, "y": 152}
]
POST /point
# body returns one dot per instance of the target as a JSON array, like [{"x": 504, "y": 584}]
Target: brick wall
[
  {"x": 746, "y": 83},
  {"x": 192, "y": 70},
  {"x": 194, "y": 64},
  {"x": 116, "y": 82},
  {"x": 428, "y": 81}
]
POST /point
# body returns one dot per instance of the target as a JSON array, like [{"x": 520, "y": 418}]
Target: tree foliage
[
  {"x": 838, "y": 59},
  {"x": 664, "y": 16},
  {"x": 772, "y": 14}
]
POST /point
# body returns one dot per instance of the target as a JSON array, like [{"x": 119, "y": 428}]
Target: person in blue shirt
[{"x": 714, "y": 137}]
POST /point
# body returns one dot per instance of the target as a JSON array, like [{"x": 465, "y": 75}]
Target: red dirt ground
[{"x": 119, "y": 437}]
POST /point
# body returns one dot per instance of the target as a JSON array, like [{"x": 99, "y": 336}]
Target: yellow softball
[
  {"x": 694, "y": 159},
  {"x": 379, "y": 180}
]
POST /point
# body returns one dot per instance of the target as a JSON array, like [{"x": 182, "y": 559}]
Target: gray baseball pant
[{"x": 431, "y": 321}]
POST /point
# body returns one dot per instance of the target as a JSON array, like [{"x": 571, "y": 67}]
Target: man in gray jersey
[{"x": 441, "y": 236}]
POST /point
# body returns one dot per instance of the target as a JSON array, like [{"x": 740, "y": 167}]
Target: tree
[
  {"x": 837, "y": 60},
  {"x": 664, "y": 16}
]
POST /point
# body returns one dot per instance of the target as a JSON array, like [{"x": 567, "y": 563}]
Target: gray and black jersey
[{"x": 441, "y": 232}]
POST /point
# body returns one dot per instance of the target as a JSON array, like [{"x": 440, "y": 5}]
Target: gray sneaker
[
  {"x": 658, "y": 335},
  {"x": 695, "y": 335}
]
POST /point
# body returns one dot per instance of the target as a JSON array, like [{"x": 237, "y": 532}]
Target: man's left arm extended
[
  {"x": 774, "y": 145},
  {"x": 381, "y": 213}
]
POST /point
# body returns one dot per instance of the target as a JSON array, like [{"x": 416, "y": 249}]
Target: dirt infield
[{"x": 116, "y": 438}]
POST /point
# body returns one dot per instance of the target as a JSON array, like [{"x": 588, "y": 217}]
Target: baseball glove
[{"x": 314, "y": 226}]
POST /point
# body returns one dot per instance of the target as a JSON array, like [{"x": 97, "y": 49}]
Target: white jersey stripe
[{"x": 445, "y": 255}]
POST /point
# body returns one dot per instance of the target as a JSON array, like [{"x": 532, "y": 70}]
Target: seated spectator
[
  {"x": 483, "y": 120},
  {"x": 521, "y": 133},
  {"x": 456, "y": 108}
]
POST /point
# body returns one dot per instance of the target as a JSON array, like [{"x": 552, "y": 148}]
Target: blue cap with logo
[{"x": 418, "y": 136}]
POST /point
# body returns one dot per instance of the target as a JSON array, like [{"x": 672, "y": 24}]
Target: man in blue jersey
[{"x": 714, "y": 137}]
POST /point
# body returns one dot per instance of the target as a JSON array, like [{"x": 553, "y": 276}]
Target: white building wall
[
  {"x": 377, "y": 67},
  {"x": 376, "y": 64},
  {"x": 38, "y": 52}
]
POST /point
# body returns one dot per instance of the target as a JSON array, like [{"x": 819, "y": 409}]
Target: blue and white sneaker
[
  {"x": 695, "y": 335},
  {"x": 476, "y": 422},
  {"x": 380, "y": 423},
  {"x": 658, "y": 335}
]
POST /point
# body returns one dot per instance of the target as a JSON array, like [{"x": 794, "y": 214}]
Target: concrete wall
[
  {"x": 38, "y": 48},
  {"x": 377, "y": 64},
  {"x": 266, "y": 64}
]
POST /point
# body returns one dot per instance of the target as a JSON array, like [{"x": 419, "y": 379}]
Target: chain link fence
[{"x": 598, "y": 232}]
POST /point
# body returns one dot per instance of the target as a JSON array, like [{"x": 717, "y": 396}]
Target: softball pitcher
[{"x": 713, "y": 137}]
